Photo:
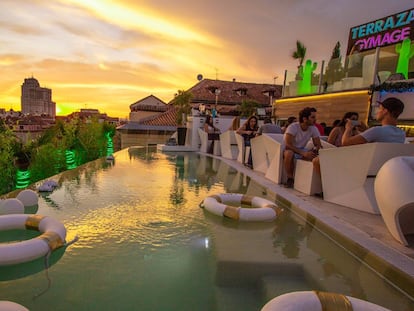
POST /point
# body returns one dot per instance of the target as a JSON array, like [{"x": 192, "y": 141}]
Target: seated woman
[
  {"x": 235, "y": 124},
  {"x": 289, "y": 121},
  {"x": 249, "y": 130},
  {"x": 213, "y": 132},
  {"x": 335, "y": 136}
]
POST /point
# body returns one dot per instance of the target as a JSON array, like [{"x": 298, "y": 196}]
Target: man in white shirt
[{"x": 296, "y": 138}]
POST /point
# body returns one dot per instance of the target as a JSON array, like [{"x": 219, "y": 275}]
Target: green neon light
[
  {"x": 406, "y": 51},
  {"x": 22, "y": 179},
  {"x": 109, "y": 144},
  {"x": 305, "y": 85},
  {"x": 70, "y": 159}
]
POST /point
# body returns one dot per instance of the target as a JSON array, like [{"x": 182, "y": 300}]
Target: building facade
[
  {"x": 37, "y": 100},
  {"x": 147, "y": 108},
  {"x": 153, "y": 122}
]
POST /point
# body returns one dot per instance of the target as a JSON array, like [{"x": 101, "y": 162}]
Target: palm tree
[
  {"x": 334, "y": 71},
  {"x": 336, "y": 52},
  {"x": 300, "y": 52},
  {"x": 182, "y": 101}
]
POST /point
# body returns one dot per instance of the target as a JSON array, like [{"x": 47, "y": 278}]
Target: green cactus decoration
[
  {"x": 406, "y": 51},
  {"x": 305, "y": 85}
]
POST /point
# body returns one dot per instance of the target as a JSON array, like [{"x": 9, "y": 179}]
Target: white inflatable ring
[
  {"x": 317, "y": 301},
  {"x": 53, "y": 236},
  {"x": 259, "y": 209},
  {"x": 11, "y": 306}
]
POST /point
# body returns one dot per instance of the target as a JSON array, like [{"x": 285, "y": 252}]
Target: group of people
[
  {"x": 251, "y": 129},
  {"x": 298, "y": 132},
  {"x": 349, "y": 131},
  {"x": 247, "y": 130}
]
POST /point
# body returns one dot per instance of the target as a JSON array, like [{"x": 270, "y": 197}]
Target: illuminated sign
[{"x": 382, "y": 32}]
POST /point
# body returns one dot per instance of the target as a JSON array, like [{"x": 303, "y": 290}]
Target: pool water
[{"x": 145, "y": 244}]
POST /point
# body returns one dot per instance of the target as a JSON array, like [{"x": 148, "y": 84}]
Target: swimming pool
[{"x": 144, "y": 244}]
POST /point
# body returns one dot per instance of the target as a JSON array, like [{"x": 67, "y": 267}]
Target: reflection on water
[
  {"x": 288, "y": 233},
  {"x": 145, "y": 244},
  {"x": 22, "y": 179}
]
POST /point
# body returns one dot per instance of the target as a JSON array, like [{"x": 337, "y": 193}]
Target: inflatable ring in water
[
  {"x": 259, "y": 209},
  {"x": 53, "y": 236},
  {"x": 11, "y": 306},
  {"x": 316, "y": 301}
]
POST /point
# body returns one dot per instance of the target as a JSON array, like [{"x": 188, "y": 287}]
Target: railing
[{"x": 357, "y": 71}]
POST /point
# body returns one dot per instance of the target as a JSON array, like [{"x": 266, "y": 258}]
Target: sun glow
[{"x": 143, "y": 20}]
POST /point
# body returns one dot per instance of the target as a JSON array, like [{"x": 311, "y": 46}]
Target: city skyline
[{"x": 107, "y": 55}]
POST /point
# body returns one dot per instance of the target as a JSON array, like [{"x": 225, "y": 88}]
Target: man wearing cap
[{"x": 388, "y": 112}]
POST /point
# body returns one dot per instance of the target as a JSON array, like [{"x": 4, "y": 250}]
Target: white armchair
[
  {"x": 241, "y": 147},
  {"x": 395, "y": 196},
  {"x": 307, "y": 180},
  {"x": 228, "y": 143},
  {"x": 264, "y": 149},
  {"x": 275, "y": 146},
  {"x": 206, "y": 143},
  {"x": 259, "y": 154},
  {"x": 204, "y": 140},
  {"x": 348, "y": 173}
]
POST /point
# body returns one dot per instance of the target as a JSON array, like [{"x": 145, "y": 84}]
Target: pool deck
[{"x": 365, "y": 230}]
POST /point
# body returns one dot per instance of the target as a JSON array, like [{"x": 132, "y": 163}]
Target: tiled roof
[
  {"x": 232, "y": 92},
  {"x": 135, "y": 126},
  {"x": 167, "y": 118},
  {"x": 165, "y": 121},
  {"x": 149, "y": 103}
]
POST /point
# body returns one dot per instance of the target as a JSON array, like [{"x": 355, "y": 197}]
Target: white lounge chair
[
  {"x": 395, "y": 196},
  {"x": 241, "y": 147},
  {"x": 206, "y": 143},
  {"x": 306, "y": 179},
  {"x": 275, "y": 146},
  {"x": 259, "y": 154},
  {"x": 348, "y": 173},
  {"x": 203, "y": 140},
  {"x": 263, "y": 150},
  {"x": 228, "y": 144}
]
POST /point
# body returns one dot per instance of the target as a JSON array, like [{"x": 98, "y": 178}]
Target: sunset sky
[{"x": 108, "y": 54}]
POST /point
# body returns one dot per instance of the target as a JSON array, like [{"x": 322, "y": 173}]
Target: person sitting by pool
[
  {"x": 335, "y": 136},
  {"x": 290, "y": 120},
  {"x": 296, "y": 138},
  {"x": 235, "y": 124},
  {"x": 269, "y": 127},
  {"x": 249, "y": 130},
  {"x": 213, "y": 132},
  {"x": 329, "y": 129},
  {"x": 387, "y": 113}
]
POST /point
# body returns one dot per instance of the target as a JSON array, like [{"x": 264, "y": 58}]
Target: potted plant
[{"x": 182, "y": 101}]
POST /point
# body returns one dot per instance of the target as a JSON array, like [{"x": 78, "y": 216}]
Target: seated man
[
  {"x": 269, "y": 127},
  {"x": 296, "y": 137},
  {"x": 289, "y": 121},
  {"x": 388, "y": 112}
]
